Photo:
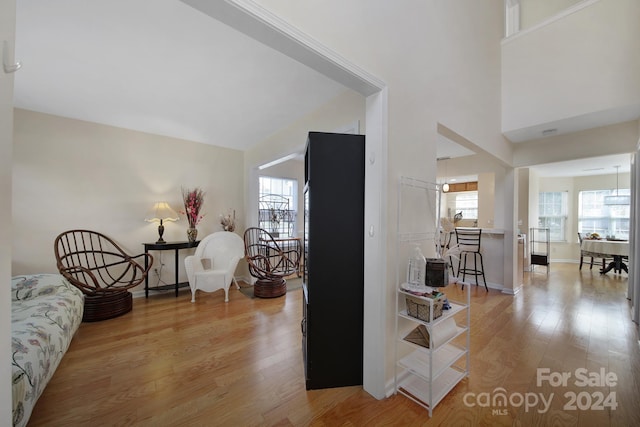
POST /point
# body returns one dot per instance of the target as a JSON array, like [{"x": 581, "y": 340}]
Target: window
[
  {"x": 465, "y": 202},
  {"x": 552, "y": 214},
  {"x": 596, "y": 217},
  {"x": 277, "y": 207}
]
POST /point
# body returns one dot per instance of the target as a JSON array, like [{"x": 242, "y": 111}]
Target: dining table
[{"x": 616, "y": 249}]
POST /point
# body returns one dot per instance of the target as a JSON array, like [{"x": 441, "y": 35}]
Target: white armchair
[{"x": 214, "y": 262}]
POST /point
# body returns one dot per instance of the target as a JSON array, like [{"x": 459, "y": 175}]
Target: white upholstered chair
[{"x": 214, "y": 262}]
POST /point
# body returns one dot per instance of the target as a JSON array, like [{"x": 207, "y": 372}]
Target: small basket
[{"x": 420, "y": 309}]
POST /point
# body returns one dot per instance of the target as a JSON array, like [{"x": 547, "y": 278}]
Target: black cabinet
[{"x": 333, "y": 279}]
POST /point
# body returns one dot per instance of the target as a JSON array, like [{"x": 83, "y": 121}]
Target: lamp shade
[{"x": 161, "y": 211}]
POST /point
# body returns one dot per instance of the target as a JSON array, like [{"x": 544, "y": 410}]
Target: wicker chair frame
[
  {"x": 102, "y": 270},
  {"x": 269, "y": 263}
]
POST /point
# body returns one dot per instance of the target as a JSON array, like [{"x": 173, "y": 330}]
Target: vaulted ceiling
[
  {"x": 165, "y": 68},
  {"x": 160, "y": 67}
]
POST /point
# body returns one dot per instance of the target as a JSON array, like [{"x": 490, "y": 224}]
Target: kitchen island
[{"x": 492, "y": 250}]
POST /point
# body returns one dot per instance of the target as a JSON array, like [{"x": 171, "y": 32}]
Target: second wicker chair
[{"x": 269, "y": 263}]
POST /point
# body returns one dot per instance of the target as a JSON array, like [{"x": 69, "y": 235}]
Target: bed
[{"x": 46, "y": 312}]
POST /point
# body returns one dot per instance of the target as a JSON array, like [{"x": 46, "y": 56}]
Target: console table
[{"x": 176, "y": 246}]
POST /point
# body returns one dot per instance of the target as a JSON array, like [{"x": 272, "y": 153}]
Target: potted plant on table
[
  {"x": 228, "y": 221},
  {"x": 193, "y": 201},
  {"x": 274, "y": 219}
]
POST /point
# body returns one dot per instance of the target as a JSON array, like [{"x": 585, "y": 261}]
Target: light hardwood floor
[{"x": 173, "y": 363}]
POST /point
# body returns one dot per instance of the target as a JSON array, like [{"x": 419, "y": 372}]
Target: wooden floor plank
[{"x": 171, "y": 362}]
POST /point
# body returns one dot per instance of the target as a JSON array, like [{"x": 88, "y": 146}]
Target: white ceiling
[
  {"x": 165, "y": 68},
  {"x": 160, "y": 67},
  {"x": 605, "y": 165},
  {"x": 575, "y": 124},
  {"x": 448, "y": 148}
]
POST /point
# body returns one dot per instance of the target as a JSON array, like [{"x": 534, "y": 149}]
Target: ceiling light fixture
[
  {"x": 445, "y": 186},
  {"x": 617, "y": 200}
]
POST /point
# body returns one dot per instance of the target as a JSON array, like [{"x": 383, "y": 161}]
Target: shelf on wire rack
[{"x": 419, "y": 390}]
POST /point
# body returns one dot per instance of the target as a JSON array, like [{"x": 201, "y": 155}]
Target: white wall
[
  {"x": 585, "y": 63},
  {"x": 70, "y": 174},
  {"x": 533, "y": 12},
  {"x": 486, "y": 200},
  {"x": 523, "y": 200},
  {"x": 7, "y": 32}
]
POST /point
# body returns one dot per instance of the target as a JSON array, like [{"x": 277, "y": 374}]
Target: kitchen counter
[
  {"x": 492, "y": 250},
  {"x": 485, "y": 230}
]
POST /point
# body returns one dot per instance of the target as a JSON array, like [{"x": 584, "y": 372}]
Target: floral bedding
[{"x": 46, "y": 311}]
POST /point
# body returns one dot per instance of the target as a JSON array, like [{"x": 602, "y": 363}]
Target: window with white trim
[
  {"x": 465, "y": 202},
  {"x": 552, "y": 214},
  {"x": 278, "y": 205},
  {"x": 596, "y": 217}
]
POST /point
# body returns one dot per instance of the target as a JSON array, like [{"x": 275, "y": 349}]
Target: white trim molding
[
  {"x": 558, "y": 16},
  {"x": 262, "y": 25}
]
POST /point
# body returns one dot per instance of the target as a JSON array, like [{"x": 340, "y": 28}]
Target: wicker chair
[
  {"x": 221, "y": 251},
  {"x": 104, "y": 272},
  {"x": 269, "y": 263}
]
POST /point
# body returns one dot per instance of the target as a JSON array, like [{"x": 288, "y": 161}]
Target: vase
[{"x": 192, "y": 234}]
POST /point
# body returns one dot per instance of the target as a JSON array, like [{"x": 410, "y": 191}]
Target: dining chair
[{"x": 584, "y": 254}]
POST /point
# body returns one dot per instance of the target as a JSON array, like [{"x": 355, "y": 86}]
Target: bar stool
[{"x": 469, "y": 243}]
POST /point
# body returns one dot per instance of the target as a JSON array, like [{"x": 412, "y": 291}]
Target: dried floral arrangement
[
  {"x": 274, "y": 218},
  {"x": 228, "y": 221},
  {"x": 193, "y": 201}
]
